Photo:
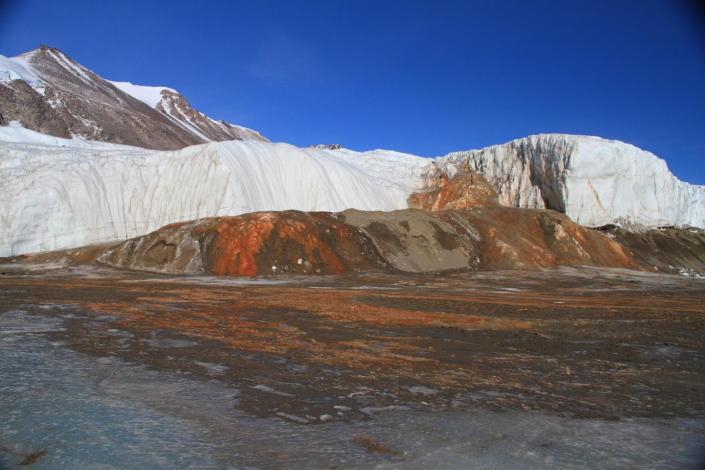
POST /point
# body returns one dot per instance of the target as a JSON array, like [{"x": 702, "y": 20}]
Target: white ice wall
[
  {"x": 66, "y": 196},
  {"x": 594, "y": 180}
]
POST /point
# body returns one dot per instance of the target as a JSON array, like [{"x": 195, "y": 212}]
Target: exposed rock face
[
  {"x": 327, "y": 146},
  {"x": 175, "y": 106},
  {"x": 19, "y": 101},
  {"x": 409, "y": 240},
  {"x": 49, "y": 92},
  {"x": 592, "y": 180}
]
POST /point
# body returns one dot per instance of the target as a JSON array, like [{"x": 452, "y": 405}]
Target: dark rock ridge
[
  {"x": 71, "y": 100},
  {"x": 326, "y": 146}
]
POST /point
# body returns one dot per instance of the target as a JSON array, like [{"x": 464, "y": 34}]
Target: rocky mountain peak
[{"x": 47, "y": 91}]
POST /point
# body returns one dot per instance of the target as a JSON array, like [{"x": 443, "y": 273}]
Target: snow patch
[
  {"x": 13, "y": 68},
  {"x": 149, "y": 95}
]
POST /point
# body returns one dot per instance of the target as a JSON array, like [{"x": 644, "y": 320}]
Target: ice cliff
[{"x": 592, "y": 180}]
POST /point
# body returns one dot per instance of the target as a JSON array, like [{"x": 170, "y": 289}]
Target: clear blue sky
[{"x": 423, "y": 77}]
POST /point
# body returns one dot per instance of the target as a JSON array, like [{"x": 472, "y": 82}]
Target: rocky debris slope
[
  {"x": 47, "y": 91},
  {"x": 667, "y": 249},
  {"x": 409, "y": 240},
  {"x": 592, "y": 180}
]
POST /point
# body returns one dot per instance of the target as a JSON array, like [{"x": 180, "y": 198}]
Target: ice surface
[
  {"x": 88, "y": 412},
  {"x": 60, "y": 193}
]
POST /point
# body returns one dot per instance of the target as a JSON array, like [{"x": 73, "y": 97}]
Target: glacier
[
  {"x": 594, "y": 181},
  {"x": 61, "y": 193}
]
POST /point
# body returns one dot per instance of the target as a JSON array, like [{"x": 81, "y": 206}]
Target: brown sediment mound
[
  {"x": 410, "y": 240},
  {"x": 250, "y": 245},
  {"x": 524, "y": 238}
]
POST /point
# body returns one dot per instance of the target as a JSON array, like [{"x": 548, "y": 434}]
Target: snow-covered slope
[
  {"x": 16, "y": 69},
  {"x": 593, "y": 180},
  {"x": 59, "y": 193},
  {"x": 49, "y": 92},
  {"x": 149, "y": 95}
]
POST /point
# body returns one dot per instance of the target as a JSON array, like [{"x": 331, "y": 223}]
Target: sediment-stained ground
[{"x": 583, "y": 345}]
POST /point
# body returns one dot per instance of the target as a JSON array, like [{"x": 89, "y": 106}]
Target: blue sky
[{"x": 422, "y": 77}]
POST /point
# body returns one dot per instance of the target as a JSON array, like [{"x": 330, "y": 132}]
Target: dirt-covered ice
[{"x": 114, "y": 371}]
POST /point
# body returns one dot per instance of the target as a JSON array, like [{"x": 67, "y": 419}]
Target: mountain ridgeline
[{"x": 47, "y": 91}]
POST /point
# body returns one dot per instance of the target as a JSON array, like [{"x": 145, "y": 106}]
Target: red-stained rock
[
  {"x": 251, "y": 244},
  {"x": 462, "y": 191}
]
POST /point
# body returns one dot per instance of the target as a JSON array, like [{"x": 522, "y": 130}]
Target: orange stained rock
[
  {"x": 238, "y": 243},
  {"x": 241, "y": 244},
  {"x": 304, "y": 235},
  {"x": 464, "y": 190}
]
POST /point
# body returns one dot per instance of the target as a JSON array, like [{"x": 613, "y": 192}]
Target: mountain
[{"x": 47, "y": 91}]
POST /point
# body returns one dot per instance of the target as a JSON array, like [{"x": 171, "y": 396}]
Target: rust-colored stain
[
  {"x": 518, "y": 238},
  {"x": 464, "y": 190},
  {"x": 241, "y": 243},
  {"x": 237, "y": 322},
  {"x": 263, "y": 243},
  {"x": 579, "y": 345},
  {"x": 423, "y": 333},
  {"x": 241, "y": 318}
]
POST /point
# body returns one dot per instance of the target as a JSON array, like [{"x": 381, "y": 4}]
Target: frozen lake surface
[{"x": 72, "y": 410}]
